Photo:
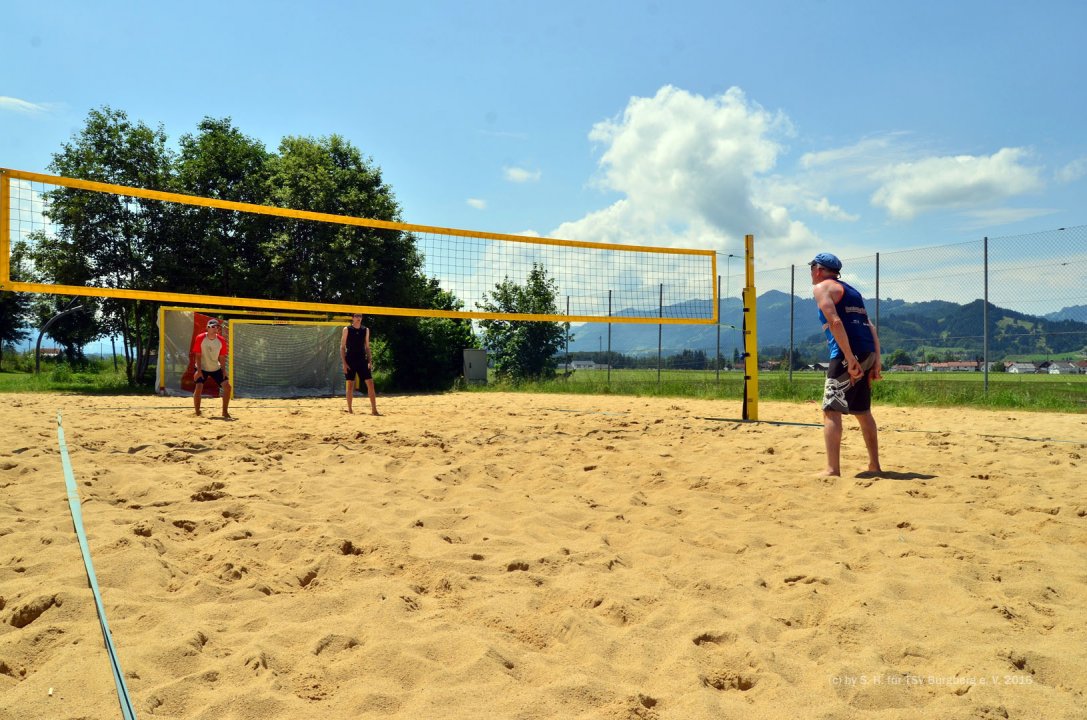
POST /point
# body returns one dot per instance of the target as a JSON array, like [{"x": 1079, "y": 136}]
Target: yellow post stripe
[
  {"x": 326, "y": 217},
  {"x": 5, "y": 230},
  {"x": 334, "y": 307}
]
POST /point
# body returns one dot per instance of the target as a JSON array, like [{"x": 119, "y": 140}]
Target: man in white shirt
[{"x": 208, "y": 354}]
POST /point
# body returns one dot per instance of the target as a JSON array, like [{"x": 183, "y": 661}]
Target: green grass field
[
  {"x": 1066, "y": 393},
  {"x": 99, "y": 378}
]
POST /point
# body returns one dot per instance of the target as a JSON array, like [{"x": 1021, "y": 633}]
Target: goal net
[{"x": 267, "y": 358}]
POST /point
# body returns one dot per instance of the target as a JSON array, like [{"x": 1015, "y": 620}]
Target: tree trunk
[{"x": 126, "y": 344}]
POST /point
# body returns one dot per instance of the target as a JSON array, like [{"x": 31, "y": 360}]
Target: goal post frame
[
  {"x": 231, "y": 325},
  {"x": 160, "y": 368}
]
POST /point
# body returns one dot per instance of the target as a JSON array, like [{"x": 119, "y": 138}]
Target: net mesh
[
  {"x": 137, "y": 243},
  {"x": 270, "y": 359},
  {"x": 281, "y": 360}
]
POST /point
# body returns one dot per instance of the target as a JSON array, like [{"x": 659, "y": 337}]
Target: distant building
[
  {"x": 582, "y": 365},
  {"x": 956, "y": 366},
  {"x": 1062, "y": 368},
  {"x": 1022, "y": 368}
]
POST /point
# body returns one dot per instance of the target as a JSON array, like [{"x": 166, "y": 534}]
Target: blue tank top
[{"x": 855, "y": 319}]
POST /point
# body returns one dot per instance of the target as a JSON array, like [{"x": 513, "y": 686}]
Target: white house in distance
[
  {"x": 1062, "y": 368},
  {"x": 1022, "y": 368},
  {"x": 582, "y": 365}
]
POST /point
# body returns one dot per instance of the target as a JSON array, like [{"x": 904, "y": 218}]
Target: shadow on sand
[{"x": 893, "y": 475}]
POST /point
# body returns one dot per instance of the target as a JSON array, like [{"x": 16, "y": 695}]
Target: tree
[
  {"x": 900, "y": 357},
  {"x": 73, "y": 330},
  {"x": 14, "y": 307},
  {"x": 523, "y": 350},
  {"x": 328, "y": 262},
  {"x": 222, "y": 163},
  {"x": 104, "y": 240},
  {"x": 427, "y": 353}
]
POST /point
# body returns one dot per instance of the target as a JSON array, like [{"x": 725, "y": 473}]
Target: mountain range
[{"x": 933, "y": 326}]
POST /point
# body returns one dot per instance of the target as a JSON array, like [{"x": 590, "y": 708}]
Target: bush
[{"x": 62, "y": 372}]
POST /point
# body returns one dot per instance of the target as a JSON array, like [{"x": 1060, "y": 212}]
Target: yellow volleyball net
[{"x": 130, "y": 243}]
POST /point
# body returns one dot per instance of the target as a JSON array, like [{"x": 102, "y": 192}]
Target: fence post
[
  {"x": 792, "y": 317},
  {"x": 607, "y": 358},
  {"x": 660, "y": 334},
  {"x": 566, "y": 375},
  {"x": 717, "y": 358},
  {"x": 877, "y": 292},
  {"x": 985, "y": 313}
]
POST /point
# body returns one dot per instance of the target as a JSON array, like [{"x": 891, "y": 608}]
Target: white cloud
[
  {"x": 1073, "y": 171},
  {"x": 702, "y": 172},
  {"x": 995, "y": 217},
  {"x": 824, "y": 208},
  {"x": 962, "y": 181},
  {"x": 477, "y": 203},
  {"x": 864, "y": 154},
  {"x": 693, "y": 172},
  {"x": 21, "y": 106},
  {"x": 520, "y": 175}
]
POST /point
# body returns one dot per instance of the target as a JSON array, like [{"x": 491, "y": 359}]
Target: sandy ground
[{"x": 532, "y": 556}]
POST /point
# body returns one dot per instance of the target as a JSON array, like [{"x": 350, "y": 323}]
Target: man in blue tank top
[{"x": 854, "y": 360}]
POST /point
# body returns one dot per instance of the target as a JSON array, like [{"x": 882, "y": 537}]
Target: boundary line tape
[{"x": 77, "y": 519}]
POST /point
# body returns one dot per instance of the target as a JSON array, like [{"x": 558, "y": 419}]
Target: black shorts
[
  {"x": 362, "y": 370},
  {"x": 218, "y": 376},
  {"x": 843, "y": 394}
]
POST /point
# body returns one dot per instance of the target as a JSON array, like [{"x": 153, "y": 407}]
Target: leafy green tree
[
  {"x": 900, "y": 357},
  {"x": 686, "y": 360},
  {"x": 427, "y": 353},
  {"x": 73, "y": 331},
  {"x": 327, "y": 262},
  {"x": 523, "y": 350},
  {"x": 105, "y": 240},
  {"x": 222, "y": 250}
]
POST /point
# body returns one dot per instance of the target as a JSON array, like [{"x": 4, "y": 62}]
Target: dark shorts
[
  {"x": 218, "y": 376},
  {"x": 362, "y": 370},
  {"x": 841, "y": 393}
]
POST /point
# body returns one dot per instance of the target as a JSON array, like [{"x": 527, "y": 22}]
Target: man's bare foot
[
  {"x": 197, "y": 413},
  {"x": 870, "y": 473},
  {"x": 829, "y": 473},
  {"x": 226, "y": 416},
  {"x": 374, "y": 412},
  {"x": 349, "y": 411}
]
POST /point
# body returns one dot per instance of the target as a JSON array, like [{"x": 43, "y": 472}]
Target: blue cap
[{"x": 830, "y": 262}]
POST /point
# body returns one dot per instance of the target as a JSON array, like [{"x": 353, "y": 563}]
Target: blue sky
[{"x": 851, "y": 126}]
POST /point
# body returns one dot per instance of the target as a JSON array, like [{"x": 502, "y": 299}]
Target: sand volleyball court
[{"x": 532, "y": 556}]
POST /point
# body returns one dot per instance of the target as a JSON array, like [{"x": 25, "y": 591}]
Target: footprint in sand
[
  {"x": 33, "y": 610},
  {"x": 727, "y": 679}
]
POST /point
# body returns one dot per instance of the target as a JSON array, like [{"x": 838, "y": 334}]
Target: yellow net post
[
  {"x": 751, "y": 343},
  {"x": 5, "y": 230}
]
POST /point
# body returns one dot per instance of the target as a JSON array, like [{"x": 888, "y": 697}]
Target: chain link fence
[{"x": 997, "y": 308}]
